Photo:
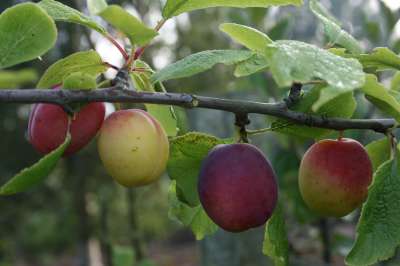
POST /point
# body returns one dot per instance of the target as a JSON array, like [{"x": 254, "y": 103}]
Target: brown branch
[{"x": 117, "y": 94}]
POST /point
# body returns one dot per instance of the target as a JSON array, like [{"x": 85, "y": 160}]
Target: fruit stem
[
  {"x": 341, "y": 135},
  {"x": 242, "y": 120},
  {"x": 393, "y": 144}
]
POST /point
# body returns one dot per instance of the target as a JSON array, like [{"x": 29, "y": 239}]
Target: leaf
[
  {"x": 251, "y": 38},
  {"x": 26, "y": 32},
  {"x": 340, "y": 107},
  {"x": 88, "y": 62},
  {"x": 79, "y": 81},
  {"x": 186, "y": 155},
  {"x": 61, "y": 12},
  {"x": 96, "y": 6},
  {"x": 193, "y": 217},
  {"x": 379, "y": 152},
  {"x": 35, "y": 174},
  {"x": 14, "y": 79},
  {"x": 380, "y": 59},
  {"x": 133, "y": 28},
  {"x": 294, "y": 61},
  {"x": 163, "y": 113},
  {"x": 175, "y": 7},
  {"x": 395, "y": 83},
  {"x": 378, "y": 233},
  {"x": 200, "y": 62},
  {"x": 380, "y": 97},
  {"x": 254, "y": 64},
  {"x": 333, "y": 29},
  {"x": 327, "y": 94},
  {"x": 276, "y": 244}
]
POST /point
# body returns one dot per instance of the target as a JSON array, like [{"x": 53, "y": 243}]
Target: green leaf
[
  {"x": 133, "y": 28},
  {"x": 378, "y": 232},
  {"x": 163, "y": 113},
  {"x": 26, "y": 32},
  {"x": 88, "y": 62},
  {"x": 35, "y": 174},
  {"x": 249, "y": 37},
  {"x": 193, "y": 217},
  {"x": 378, "y": 152},
  {"x": 186, "y": 155},
  {"x": 15, "y": 79},
  {"x": 96, "y": 6},
  {"x": 341, "y": 107},
  {"x": 254, "y": 64},
  {"x": 276, "y": 244},
  {"x": 327, "y": 94},
  {"x": 395, "y": 83},
  {"x": 79, "y": 81},
  {"x": 200, "y": 62},
  {"x": 294, "y": 61},
  {"x": 61, "y": 12},
  {"x": 380, "y": 97},
  {"x": 175, "y": 7},
  {"x": 333, "y": 29},
  {"x": 380, "y": 59}
]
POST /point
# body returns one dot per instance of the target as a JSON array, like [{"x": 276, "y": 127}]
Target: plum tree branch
[{"x": 117, "y": 94}]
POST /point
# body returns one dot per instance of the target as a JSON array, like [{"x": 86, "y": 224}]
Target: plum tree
[
  {"x": 237, "y": 187},
  {"x": 133, "y": 147},
  {"x": 334, "y": 176},
  {"x": 48, "y": 126}
]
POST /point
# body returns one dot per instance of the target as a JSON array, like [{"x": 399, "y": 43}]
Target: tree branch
[{"x": 117, "y": 94}]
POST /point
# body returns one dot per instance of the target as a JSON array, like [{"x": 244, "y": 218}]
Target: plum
[
  {"x": 237, "y": 187},
  {"x": 48, "y": 126},
  {"x": 133, "y": 147},
  {"x": 334, "y": 176}
]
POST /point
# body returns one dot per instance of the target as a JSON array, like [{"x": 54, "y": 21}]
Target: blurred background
[{"x": 80, "y": 217}]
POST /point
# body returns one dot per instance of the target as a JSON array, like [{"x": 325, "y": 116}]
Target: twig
[{"x": 118, "y": 94}]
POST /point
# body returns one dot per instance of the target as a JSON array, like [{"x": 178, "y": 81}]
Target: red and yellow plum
[{"x": 334, "y": 176}]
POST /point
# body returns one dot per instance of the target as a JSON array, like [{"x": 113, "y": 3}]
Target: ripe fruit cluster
[{"x": 237, "y": 186}]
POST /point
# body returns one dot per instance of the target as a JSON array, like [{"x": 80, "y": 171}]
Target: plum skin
[
  {"x": 237, "y": 187},
  {"x": 334, "y": 176},
  {"x": 48, "y": 126},
  {"x": 133, "y": 147}
]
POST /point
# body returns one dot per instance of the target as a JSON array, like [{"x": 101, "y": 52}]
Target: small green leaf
[
  {"x": 200, "y": 62},
  {"x": 327, "y": 94},
  {"x": 186, "y": 155},
  {"x": 35, "y": 174},
  {"x": 380, "y": 59},
  {"x": 395, "y": 83},
  {"x": 135, "y": 30},
  {"x": 342, "y": 106},
  {"x": 276, "y": 244},
  {"x": 333, "y": 29},
  {"x": 378, "y": 232},
  {"x": 294, "y": 61},
  {"x": 249, "y": 37},
  {"x": 378, "y": 152},
  {"x": 163, "y": 113},
  {"x": 376, "y": 93},
  {"x": 193, "y": 217},
  {"x": 61, "y": 12},
  {"x": 26, "y": 32},
  {"x": 254, "y": 64},
  {"x": 88, "y": 62},
  {"x": 79, "y": 81},
  {"x": 96, "y": 6},
  {"x": 175, "y": 7},
  {"x": 14, "y": 79}
]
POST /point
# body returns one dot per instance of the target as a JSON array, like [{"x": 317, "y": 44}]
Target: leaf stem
[{"x": 118, "y": 46}]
